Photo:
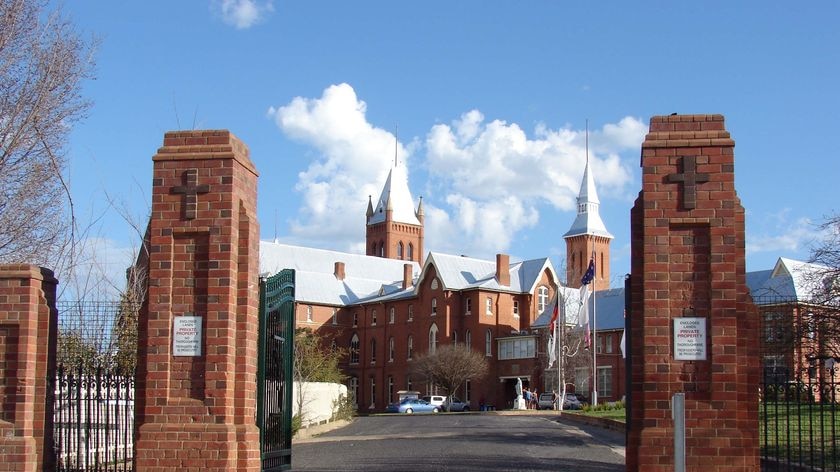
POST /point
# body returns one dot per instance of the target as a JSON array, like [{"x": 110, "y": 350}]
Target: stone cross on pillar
[
  {"x": 190, "y": 190},
  {"x": 689, "y": 178}
]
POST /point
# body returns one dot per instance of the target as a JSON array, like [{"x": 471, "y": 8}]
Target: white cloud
[
  {"x": 353, "y": 160},
  {"x": 785, "y": 237},
  {"x": 487, "y": 180},
  {"x": 496, "y": 177},
  {"x": 242, "y": 14}
]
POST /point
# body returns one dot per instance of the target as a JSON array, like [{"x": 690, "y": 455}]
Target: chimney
[
  {"x": 407, "y": 275},
  {"x": 339, "y": 270},
  {"x": 503, "y": 269}
]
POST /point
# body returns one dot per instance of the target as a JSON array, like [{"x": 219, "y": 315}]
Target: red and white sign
[
  {"x": 690, "y": 339},
  {"x": 186, "y": 336}
]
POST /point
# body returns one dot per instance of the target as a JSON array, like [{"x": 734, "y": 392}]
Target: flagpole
[
  {"x": 561, "y": 362},
  {"x": 594, "y": 339}
]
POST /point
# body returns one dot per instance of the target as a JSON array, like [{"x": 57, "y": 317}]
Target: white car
[{"x": 437, "y": 400}]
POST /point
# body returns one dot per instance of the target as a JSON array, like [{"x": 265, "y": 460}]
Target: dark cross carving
[
  {"x": 689, "y": 178},
  {"x": 190, "y": 191}
]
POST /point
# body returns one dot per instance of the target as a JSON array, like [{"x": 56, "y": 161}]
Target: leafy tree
[
  {"x": 314, "y": 360},
  {"x": 450, "y": 366},
  {"x": 43, "y": 62}
]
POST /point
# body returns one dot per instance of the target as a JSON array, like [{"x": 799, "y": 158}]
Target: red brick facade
[
  {"x": 196, "y": 413},
  {"x": 579, "y": 250},
  {"x": 379, "y": 375},
  {"x": 688, "y": 260},
  {"x": 28, "y": 324}
]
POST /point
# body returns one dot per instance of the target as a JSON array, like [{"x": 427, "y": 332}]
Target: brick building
[{"x": 391, "y": 305}]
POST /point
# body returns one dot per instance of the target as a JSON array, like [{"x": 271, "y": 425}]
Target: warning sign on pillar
[
  {"x": 690, "y": 339},
  {"x": 186, "y": 339}
]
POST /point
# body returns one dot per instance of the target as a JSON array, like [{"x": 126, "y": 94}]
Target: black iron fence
[
  {"x": 798, "y": 411},
  {"x": 93, "y": 422}
]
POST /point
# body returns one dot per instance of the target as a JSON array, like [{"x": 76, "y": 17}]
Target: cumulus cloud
[
  {"x": 496, "y": 176},
  {"x": 353, "y": 159},
  {"x": 487, "y": 181},
  {"x": 242, "y": 14}
]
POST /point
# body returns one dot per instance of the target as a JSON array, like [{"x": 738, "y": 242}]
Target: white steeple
[
  {"x": 395, "y": 197},
  {"x": 588, "y": 220}
]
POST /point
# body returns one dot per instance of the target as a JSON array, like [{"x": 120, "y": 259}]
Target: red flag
[{"x": 554, "y": 315}]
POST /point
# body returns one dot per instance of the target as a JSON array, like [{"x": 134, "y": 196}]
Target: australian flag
[{"x": 590, "y": 273}]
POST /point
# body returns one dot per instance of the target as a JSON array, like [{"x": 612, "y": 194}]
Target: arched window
[
  {"x": 391, "y": 315},
  {"x": 373, "y": 351},
  {"x": 335, "y": 316},
  {"x": 434, "y": 306},
  {"x": 433, "y": 334},
  {"x": 410, "y": 252},
  {"x": 410, "y": 344},
  {"x": 373, "y": 318},
  {"x": 454, "y": 337},
  {"x": 354, "y": 389},
  {"x": 400, "y": 250},
  {"x": 602, "y": 264},
  {"x": 309, "y": 314},
  {"x": 468, "y": 339},
  {"x": 381, "y": 249},
  {"x": 468, "y": 306},
  {"x": 354, "y": 349},
  {"x": 391, "y": 349},
  {"x": 372, "y": 392},
  {"x": 542, "y": 299},
  {"x": 488, "y": 344}
]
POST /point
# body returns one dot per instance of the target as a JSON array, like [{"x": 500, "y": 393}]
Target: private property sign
[
  {"x": 690, "y": 339},
  {"x": 186, "y": 339}
]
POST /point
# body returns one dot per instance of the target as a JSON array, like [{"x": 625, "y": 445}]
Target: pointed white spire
[
  {"x": 396, "y": 197},
  {"x": 588, "y": 220}
]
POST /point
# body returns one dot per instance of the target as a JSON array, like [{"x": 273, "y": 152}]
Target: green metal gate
[{"x": 274, "y": 377}]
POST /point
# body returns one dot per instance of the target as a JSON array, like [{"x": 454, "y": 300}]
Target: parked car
[
  {"x": 572, "y": 402},
  {"x": 546, "y": 401},
  {"x": 412, "y": 405},
  {"x": 437, "y": 400},
  {"x": 455, "y": 405}
]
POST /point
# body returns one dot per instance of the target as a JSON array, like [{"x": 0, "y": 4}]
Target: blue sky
[{"x": 490, "y": 99}]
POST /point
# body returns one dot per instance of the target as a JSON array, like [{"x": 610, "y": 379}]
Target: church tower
[
  {"x": 394, "y": 228},
  {"x": 587, "y": 237}
]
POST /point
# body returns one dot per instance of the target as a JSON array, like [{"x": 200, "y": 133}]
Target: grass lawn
[
  {"x": 615, "y": 414},
  {"x": 803, "y": 433}
]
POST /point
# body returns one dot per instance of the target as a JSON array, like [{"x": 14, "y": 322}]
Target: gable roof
[
  {"x": 789, "y": 280},
  {"x": 315, "y": 281},
  {"x": 464, "y": 273}
]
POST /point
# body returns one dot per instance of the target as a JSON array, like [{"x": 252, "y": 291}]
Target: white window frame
[
  {"x": 542, "y": 298},
  {"x": 488, "y": 343},
  {"x": 410, "y": 347},
  {"x": 391, "y": 349},
  {"x": 433, "y": 338},
  {"x": 488, "y": 306},
  {"x": 468, "y": 307},
  {"x": 373, "y": 318},
  {"x": 434, "y": 306},
  {"x": 309, "y": 313},
  {"x": 391, "y": 315},
  {"x": 410, "y": 312},
  {"x": 516, "y": 308},
  {"x": 335, "y": 316}
]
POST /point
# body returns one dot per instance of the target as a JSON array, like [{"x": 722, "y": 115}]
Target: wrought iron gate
[
  {"x": 799, "y": 391},
  {"x": 274, "y": 378}
]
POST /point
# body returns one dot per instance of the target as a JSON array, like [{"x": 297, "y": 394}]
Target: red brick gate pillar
[
  {"x": 28, "y": 327},
  {"x": 693, "y": 327},
  {"x": 196, "y": 393}
]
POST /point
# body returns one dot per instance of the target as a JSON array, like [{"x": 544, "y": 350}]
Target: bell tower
[
  {"x": 588, "y": 238},
  {"x": 394, "y": 228}
]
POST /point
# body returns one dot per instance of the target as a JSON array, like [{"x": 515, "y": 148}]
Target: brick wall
[
  {"x": 28, "y": 327},
  {"x": 688, "y": 261},
  {"x": 197, "y": 412}
]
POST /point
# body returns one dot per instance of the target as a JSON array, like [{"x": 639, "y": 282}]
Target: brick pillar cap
[
  {"x": 26, "y": 271},
  {"x": 204, "y": 144}
]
